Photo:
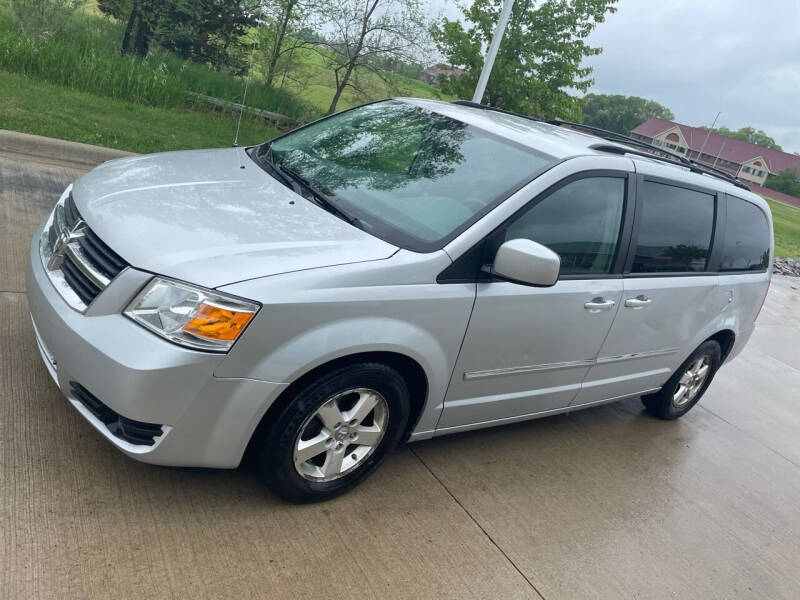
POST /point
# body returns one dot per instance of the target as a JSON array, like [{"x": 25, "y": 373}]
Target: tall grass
[{"x": 84, "y": 56}]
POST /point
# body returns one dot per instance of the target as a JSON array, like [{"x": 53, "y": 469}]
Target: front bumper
[{"x": 206, "y": 421}]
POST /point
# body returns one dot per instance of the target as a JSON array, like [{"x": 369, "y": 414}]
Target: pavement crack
[
  {"x": 11, "y": 292},
  {"x": 751, "y": 436},
  {"x": 477, "y": 524}
]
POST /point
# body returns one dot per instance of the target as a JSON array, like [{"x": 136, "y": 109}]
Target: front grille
[
  {"x": 84, "y": 287},
  {"x": 134, "y": 432},
  {"x": 71, "y": 214},
  {"x": 102, "y": 257},
  {"x": 77, "y": 257}
]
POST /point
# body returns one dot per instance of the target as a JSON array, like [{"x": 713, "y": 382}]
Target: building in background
[
  {"x": 749, "y": 162},
  {"x": 431, "y": 74}
]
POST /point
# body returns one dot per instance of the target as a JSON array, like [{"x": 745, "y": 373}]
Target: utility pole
[{"x": 488, "y": 63}]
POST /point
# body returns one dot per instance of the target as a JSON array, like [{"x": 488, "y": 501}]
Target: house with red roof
[
  {"x": 749, "y": 162},
  {"x": 431, "y": 74}
]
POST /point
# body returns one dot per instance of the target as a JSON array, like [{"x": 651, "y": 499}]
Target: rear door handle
[
  {"x": 638, "y": 302},
  {"x": 598, "y": 304}
]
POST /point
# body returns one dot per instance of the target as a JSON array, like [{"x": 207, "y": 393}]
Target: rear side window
[
  {"x": 674, "y": 230},
  {"x": 579, "y": 221},
  {"x": 746, "y": 246}
]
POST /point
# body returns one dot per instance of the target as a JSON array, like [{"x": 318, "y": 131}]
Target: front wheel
[
  {"x": 335, "y": 432},
  {"x": 687, "y": 385}
]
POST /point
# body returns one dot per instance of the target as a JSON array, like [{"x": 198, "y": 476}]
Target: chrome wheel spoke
[
  {"x": 702, "y": 371},
  {"x": 680, "y": 394},
  {"x": 333, "y": 463},
  {"x": 368, "y": 436},
  {"x": 308, "y": 449},
  {"x": 330, "y": 415},
  {"x": 363, "y": 406}
]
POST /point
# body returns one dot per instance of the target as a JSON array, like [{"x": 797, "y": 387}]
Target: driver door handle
[
  {"x": 598, "y": 304},
  {"x": 639, "y": 302}
]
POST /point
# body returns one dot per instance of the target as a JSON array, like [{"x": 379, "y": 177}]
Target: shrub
[{"x": 787, "y": 181}]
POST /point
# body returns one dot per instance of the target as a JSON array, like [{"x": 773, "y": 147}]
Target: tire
[
  {"x": 685, "y": 388},
  {"x": 316, "y": 419}
]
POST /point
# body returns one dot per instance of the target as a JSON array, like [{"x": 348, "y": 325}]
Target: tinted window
[
  {"x": 580, "y": 221},
  {"x": 410, "y": 175},
  {"x": 675, "y": 229},
  {"x": 746, "y": 245}
]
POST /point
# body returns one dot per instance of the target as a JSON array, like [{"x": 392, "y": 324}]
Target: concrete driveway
[{"x": 604, "y": 503}]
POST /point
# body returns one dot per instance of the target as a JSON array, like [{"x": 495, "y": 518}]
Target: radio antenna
[{"x": 244, "y": 96}]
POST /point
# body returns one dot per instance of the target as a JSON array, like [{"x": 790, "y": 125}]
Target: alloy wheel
[
  {"x": 692, "y": 380},
  {"x": 341, "y": 434}
]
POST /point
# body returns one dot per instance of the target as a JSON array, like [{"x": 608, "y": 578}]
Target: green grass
[
  {"x": 36, "y": 107},
  {"x": 84, "y": 56},
  {"x": 786, "y": 222}
]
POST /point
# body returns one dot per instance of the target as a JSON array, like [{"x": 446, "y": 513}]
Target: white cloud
[{"x": 700, "y": 57}]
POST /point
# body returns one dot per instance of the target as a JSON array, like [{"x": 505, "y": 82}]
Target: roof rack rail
[
  {"x": 612, "y": 136},
  {"x": 650, "y": 149},
  {"x": 494, "y": 109}
]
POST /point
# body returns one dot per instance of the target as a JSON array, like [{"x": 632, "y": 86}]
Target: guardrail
[{"x": 278, "y": 119}]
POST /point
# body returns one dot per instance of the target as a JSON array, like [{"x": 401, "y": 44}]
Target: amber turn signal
[{"x": 216, "y": 323}]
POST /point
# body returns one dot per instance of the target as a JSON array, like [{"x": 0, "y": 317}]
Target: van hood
[{"x": 200, "y": 217}]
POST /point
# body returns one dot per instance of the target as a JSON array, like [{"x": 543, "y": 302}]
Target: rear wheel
[
  {"x": 335, "y": 432},
  {"x": 687, "y": 385}
]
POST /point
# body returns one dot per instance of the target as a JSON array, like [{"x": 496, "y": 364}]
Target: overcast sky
[{"x": 699, "y": 57}]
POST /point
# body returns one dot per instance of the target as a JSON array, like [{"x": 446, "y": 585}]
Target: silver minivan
[{"x": 398, "y": 271}]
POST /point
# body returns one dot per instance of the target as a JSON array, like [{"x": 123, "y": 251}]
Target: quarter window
[
  {"x": 746, "y": 246},
  {"x": 674, "y": 229},
  {"x": 580, "y": 221}
]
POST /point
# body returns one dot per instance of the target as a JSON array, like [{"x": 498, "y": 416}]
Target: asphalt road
[{"x": 603, "y": 503}]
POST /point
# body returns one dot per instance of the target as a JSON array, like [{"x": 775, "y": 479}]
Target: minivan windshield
[{"x": 413, "y": 177}]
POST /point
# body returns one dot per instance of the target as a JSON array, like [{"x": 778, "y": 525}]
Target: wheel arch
[
  {"x": 409, "y": 369},
  {"x": 725, "y": 338}
]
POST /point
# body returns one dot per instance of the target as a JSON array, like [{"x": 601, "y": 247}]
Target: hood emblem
[{"x": 65, "y": 237}]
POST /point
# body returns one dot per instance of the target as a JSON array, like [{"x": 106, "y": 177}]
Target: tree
[
  {"x": 539, "y": 59},
  {"x": 276, "y": 35},
  {"x": 747, "y": 134},
  {"x": 208, "y": 31},
  {"x": 621, "y": 113},
  {"x": 787, "y": 181},
  {"x": 363, "y": 31}
]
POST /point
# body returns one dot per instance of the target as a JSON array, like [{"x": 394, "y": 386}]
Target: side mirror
[{"x": 525, "y": 261}]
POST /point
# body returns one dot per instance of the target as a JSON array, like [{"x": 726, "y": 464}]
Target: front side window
[
  {"x": 411, "y": 176},
  {"x": 579, "y": 221},
  {"x": 674, "y": 229},
  {"x": 746, "y": 246}
]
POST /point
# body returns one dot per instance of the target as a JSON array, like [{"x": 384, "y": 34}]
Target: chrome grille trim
[
  {"x": 79, "y": 264},
  {"x": 78, "y": 257}
]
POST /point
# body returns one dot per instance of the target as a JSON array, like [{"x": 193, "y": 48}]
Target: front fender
[{"x": 297, "y": 330}]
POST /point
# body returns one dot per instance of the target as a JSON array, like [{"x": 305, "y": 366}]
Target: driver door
[{"x": 527, "y": 349}]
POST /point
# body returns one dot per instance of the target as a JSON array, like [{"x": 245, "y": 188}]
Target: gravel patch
[{"x": 787, "y": 266}]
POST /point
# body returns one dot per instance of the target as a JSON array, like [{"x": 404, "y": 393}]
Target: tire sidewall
[{"x": 276, "y": 461}]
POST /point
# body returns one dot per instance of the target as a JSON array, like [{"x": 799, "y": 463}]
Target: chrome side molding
[{"x": 587, "y": 362}]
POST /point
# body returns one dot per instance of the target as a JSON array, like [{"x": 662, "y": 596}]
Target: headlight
[{"x": 191, "y": 316}]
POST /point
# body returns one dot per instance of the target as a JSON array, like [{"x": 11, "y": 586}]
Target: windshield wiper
[
  {"x": 266, "y": 161},
  {"x": 297, "y": 183},
  {"x": 317, "y": 196}
]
